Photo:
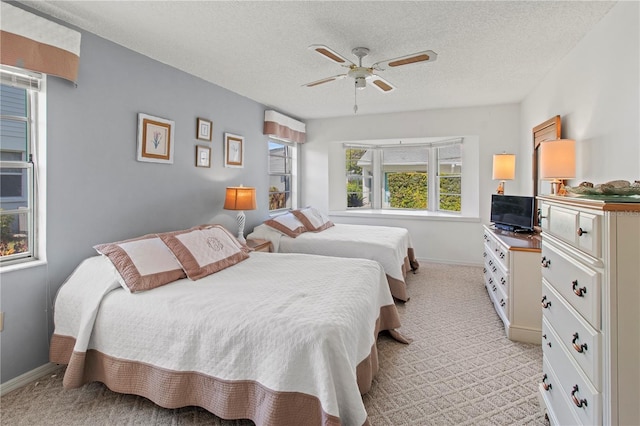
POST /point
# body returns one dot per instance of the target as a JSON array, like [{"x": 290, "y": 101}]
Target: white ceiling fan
[{"x": 362, "y": 74}]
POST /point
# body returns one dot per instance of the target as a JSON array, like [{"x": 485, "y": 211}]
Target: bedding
[
  {"x": 277, "y": 338},
  {"x": 391, "y": 246}
]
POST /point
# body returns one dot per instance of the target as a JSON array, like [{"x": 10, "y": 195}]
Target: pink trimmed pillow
[
  {"x": 143, "y": 263},
  {"x": 287, "y": 223},
  {"x": 313, "y": 219},
  {"x": 204, "y": 250}
]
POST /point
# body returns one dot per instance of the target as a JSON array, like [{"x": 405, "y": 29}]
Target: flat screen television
[{"x": 512, "y": 212}]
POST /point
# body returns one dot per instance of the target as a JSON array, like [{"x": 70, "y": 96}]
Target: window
[
  {"x": 19, "y": 93},
  {"x": 282, "y": 175},
  {"x": 410, "y": 176}
]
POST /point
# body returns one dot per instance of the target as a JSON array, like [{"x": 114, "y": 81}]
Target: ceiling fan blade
[
  {"x": 325, "y": 80},
  {"x": 414, "y": 58},
  {"x": 381, "y": 84},
  {"x": 331, "y": 55}
]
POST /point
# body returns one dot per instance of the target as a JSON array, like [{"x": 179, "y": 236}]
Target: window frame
[
  {"x": 432, "y": 169},
  {"x": 292, "y": 150},
  {"x": 34, "y": 85}
]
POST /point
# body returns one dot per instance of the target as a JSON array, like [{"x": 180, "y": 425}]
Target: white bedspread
[
  {"x": 385, "y": 244},
  {"x": 291, "y": 322}
]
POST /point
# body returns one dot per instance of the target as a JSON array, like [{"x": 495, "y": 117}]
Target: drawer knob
[
  {"x": 484, "y": 254},
  {"x": 493, "y": 287},
  {"x": 578, "y": 402},
  {"x": 580, "y": 292},
  {"x": 579, "y": 348},
  {"x": 581, "y": 231},
  {"x": 545, "y": 305},
  {"x": 494, "y": 269},
  {"x": 501, "y": 255},
  {"x": 502, "y": 302},
  {"x": 545, "y": 262},
  {"x": 545, "y": 385}
]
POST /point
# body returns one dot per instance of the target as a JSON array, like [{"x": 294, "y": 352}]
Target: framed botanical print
[
  {"x": 203, "y": 156},
  {"x": 233, "y": 150},
  {"x": 155, "y": 139},
  {"x": 203, "y": 130}
]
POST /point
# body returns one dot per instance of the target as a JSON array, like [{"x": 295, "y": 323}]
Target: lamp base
[
  {"x": 240, "y": 218},
  {"x": 557, "y": 187},
  {"x": 500, "y": 188}
]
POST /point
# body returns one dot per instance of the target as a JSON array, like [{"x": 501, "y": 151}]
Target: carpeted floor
[{"x": 459, "y": 370}]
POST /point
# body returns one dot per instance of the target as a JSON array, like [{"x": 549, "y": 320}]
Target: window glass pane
[
  {"x": 279, "y": 165},
  {"x": 450, "y": 202},
  {"x": 450, "y": 173},
  {"x": 405, "y": 177},
  {"x": 14, "y": 234},
  {"x": 12, "y": 184},
  {"x": 279, "y": 200},
  {"x": 359, "y": 173},
  {"x": 279, "y": 183},
  {"x": 406, "y": 190}
]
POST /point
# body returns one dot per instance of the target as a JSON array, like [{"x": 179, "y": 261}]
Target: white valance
[
  {"x": 34, "y": 43},
  {"x": 282, "y": 127}
]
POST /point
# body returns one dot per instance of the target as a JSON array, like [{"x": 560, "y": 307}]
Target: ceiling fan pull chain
[{"x": 355, "y": 99}]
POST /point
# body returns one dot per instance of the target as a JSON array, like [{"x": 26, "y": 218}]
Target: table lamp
[
  {"x": 557, "y": 163},
  {"x": 240, "y": 198},
  {"x": 504, "y": 168}
]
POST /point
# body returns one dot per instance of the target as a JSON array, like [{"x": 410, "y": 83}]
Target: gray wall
[{"x": 98, "y": 192}]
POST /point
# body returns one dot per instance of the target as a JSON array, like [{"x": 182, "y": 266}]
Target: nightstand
[{"x": 260, "y": 245}]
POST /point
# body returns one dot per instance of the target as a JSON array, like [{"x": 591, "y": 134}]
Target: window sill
[
  {"x": 404, "y": 214},
  {"x": 22, "y": 265}
]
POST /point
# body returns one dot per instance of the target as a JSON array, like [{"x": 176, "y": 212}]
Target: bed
[
  {"x": 275, "y": 338},
  {"x": 390, "y": 246}
]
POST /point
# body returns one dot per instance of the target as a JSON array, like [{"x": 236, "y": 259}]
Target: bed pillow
[
  {"x": 205, "y": 250},
  {"x": 286, "y": 223},
  {"x": 313, "y": 219},
  {"x": 143, "y": 263}
]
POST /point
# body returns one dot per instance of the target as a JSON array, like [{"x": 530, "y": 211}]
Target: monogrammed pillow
[{"x": 204, "y": 250}]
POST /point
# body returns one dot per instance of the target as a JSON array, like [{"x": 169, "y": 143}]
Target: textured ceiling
[{"x": 489, "y": 52}]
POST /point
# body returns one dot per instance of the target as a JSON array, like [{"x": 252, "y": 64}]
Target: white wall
[
  {"x": 596, "y": 91},
  {"x": 495, "y": 128}
]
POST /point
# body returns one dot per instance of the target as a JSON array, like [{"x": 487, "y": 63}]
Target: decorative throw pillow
[
  {"x": 287, "y": 223},
  {"x": 313, "y": 219},
  {"x": 204, "y": 251},
  {"x": 143, "y": 263}
]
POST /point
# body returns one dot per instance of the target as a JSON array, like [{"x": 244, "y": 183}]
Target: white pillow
[
  {"x": 287, "y": 223},
  {"x": 143, "y": 263},
  {"x": 313, "y": 219}
]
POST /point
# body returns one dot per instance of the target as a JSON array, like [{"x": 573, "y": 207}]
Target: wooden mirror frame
[{"x": 549, "y": 130}]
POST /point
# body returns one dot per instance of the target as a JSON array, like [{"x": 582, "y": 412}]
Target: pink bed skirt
[{"x": 226, "y": 399}]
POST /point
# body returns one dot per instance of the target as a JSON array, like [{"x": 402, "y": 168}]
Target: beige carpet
[{"x": 459, "y": 370}]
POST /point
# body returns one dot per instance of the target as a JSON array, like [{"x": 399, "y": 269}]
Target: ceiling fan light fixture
[{"x": 361, "y": 83}]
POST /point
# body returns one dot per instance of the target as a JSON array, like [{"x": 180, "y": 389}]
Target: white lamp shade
[
  {"x": 558, "y": 159},
  {"x": 504, "y": 166}
]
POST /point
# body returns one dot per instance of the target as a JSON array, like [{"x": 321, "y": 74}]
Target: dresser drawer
[
  {"x": 572, "y": 330},
  {"x": 583, "y": 398},
  {"x": 577, "y": 283},
  {"x": 558, "y": 409},
  {"x": 579, "y": 229}
]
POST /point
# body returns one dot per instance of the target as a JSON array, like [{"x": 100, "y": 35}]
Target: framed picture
[
  {"x": 233, "y": 150},
  {"x": 203, "y": 131},
  {"x": 203, "y": 156},
  {"x": 155, "y": 139}
]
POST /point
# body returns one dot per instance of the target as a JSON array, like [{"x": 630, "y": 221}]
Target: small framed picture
[
  {"x": 203, "y": 156},
  {"x": 155, "y": 139},
  {"x": 203, "y": 131},
  {"x": 233, "y": 150}
]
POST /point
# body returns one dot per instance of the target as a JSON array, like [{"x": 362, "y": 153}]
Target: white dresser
[
  {"x": 591, "y": 311},
  {"x": 512, "y": 278}
]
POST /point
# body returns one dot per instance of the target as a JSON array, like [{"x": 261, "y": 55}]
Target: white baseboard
[
  {"x": 28, "y": 377},
  {"x": 448, "y": 262}
]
